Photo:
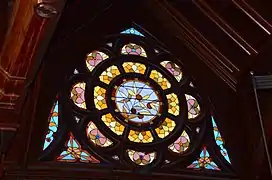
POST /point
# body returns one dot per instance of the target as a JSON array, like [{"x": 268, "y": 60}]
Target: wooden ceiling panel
[
  {"x": 233, "y": 56},
  {"x": 239, "y": 30},
  {"x": 262, "y": 7},
  {"x": 3, "y": 20},
  {"x": 240, "y": 21}
]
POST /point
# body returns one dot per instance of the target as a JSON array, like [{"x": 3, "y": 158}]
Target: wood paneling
[
  {"x": 3, "y": 20},
  {"x": 18, "y": 50},
  {"x": 251, "y": 35},
  {"x": 17, "y": 62},
  {"x": 237, "y": 30},
  {"x": 261, "y": 8}
]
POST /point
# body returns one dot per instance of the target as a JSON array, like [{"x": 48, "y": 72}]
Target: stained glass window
[
  {"x": 133, "y": 49},
  {"x": 135, "y": 112},
  {"x": 193, "y": 107},
  {"x": 181, "y": 144},
  {"x": 141, "y": 158},
  {"x": 74, "y": 153},
  {"x": 96, "y": 136},
  {"x": 160, "y": 79},
  {"x": 100, "y": 98},
  {"x": 53, "y": 125},
  {"x": 219, "y": 141},
  {"x": 109, "y": 74},
  {"x": 132, "y": 31},
  {"x": 78, "y": 95},
  {"x": 173, "y": 104},
  {"x": 173, "y": 68},
  {"x": 204, "y": 161},
  {"x": 134, "y": 67},
  {"x": 137, "y": 101},
  {"x": 94, "y": 58},
  {"x": 114, "y": 125},
  {"x": 165, "y": 128},
  {"x": 140, "y": 137}
]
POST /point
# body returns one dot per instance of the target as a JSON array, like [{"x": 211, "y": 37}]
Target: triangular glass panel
[
  {"x": 77, "y": 119},
  {"x": 52, "y": 126},
  {"x": 115, "y": 157},
  {"x": 219, "y": 141},
  {"x": 109, "y": 44},
  {"x": 198, "y": 129},
  {"x": 76, "y": 71},
  {"x": 75, "y": 153},
  {"x": 132, "y": 31},
  {"x": 204, "y": 162}
]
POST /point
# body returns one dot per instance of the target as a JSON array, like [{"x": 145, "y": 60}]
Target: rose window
[
  {"x": 131, "y": 104},
  {"x": 132, "y": 93},
  {"x": 137, "y": 101}
]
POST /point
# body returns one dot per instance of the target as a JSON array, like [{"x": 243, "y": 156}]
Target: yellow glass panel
[
  {"x": 94, "y": 58},
  {"x": 173, "y": 104},
  {"x": 160, "y": 79},
  {"x": 133, "y": 67},
  {"x": 96, "y": 137},
  {"x": 110, "y": 73},
  {"x": 133, "y": 49},
  {"x": 100, "y": 98},
  {"x": 173, "y": 68},
  {"x": 78, "y": 95},
  {"x": 141, "y": 158},
  {"x": 165, "y": 128},
  {"x": 140, "y": 137},
  {"x": 193, "y": 107},
  {"x": 115, "y": 126},
  {"x": 181, "y": 144}
]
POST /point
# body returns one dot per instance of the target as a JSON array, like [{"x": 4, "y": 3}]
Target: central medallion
[{"x": 137, "y": 101}]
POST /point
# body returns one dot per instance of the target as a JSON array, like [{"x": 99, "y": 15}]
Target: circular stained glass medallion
[{"x": 137, "y": 101}]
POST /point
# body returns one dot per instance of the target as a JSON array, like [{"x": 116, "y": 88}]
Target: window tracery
[{"x": 134, "y": 103}]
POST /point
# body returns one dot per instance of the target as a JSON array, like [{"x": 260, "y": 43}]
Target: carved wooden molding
[
  {"x": 254, "y": 15},
  {"x": 223, "y": 25},
  {"x": 195, "y": 41},
  {"x": 18, "y": 50}
]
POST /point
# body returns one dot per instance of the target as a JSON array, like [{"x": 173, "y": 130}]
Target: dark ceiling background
[{"x": 5, "y": 14}]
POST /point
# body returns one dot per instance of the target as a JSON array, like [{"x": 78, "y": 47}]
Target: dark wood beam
[
  {"x": 27, "y": 39},
  {"x": 18, "y": 50},
  {"x": 51, "y": 170}
]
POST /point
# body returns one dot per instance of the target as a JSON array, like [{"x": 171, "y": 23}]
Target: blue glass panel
[
  {"x": 219, "y": 141},
  {"x": 52, "y": 126},
  {"x": 212, "y": 166},
  {"x": 74, "y": 144},
  {"x": 84, "y": 154},
  {"x": 132, "y": 31},
  {"x": 68, "y": 157},
  {"x": 64, "y": 153}
]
